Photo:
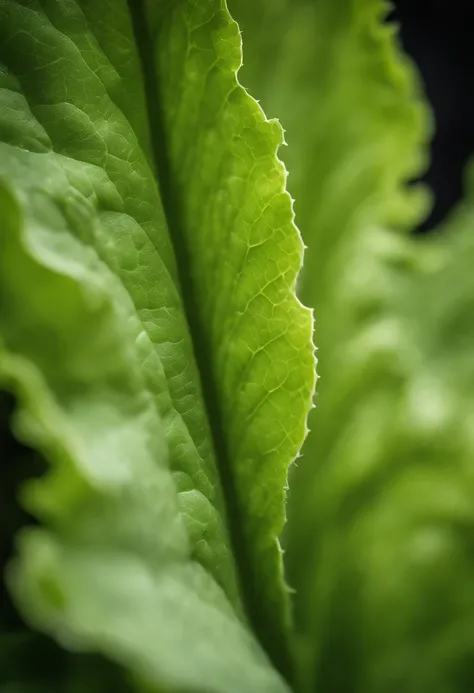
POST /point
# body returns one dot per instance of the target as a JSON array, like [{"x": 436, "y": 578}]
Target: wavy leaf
[
  {"x": 378, "y": 539},
  {"x": 152, "y": 334},
  {"x": 112, "y": 569}
]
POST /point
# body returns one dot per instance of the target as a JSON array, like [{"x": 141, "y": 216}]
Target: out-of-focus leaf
[{"x": 379, "y": 547}]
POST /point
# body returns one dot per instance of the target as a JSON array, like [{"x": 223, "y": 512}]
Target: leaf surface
[
  {"x": 113, "y": 559},
  {"x": 380, "y": 522},
  {"x": 151, "y": 332}
]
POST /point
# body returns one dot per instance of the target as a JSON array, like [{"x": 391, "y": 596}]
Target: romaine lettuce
[{"x": 157, "y": 366}]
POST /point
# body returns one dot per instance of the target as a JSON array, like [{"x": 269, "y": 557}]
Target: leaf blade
[
  {"x": 356, "y": 127},
  {"x": 263, "y": 372},
  {"x": 109, "y": 509},
  {"x": 96, "y": 165}
]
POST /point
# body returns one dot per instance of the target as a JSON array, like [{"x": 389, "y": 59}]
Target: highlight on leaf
[{"x": 157, "y": 363}]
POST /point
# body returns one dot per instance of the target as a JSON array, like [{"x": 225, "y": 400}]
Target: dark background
[{"x": 439, "y": 36}]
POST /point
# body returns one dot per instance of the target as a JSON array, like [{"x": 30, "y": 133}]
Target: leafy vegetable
[
  {"x": 157, "y": 367},
  {"x": 380, "y": 516},
  {"x": 98, "y": 347},
  {"x": 115, "y": 560}
]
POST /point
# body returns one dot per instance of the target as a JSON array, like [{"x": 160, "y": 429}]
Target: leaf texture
[
  {"x": 380, "y": 528},
  {"x": 243, "y": 253},
  {"x": 122, "y": 300},
  {"x": 379, "y": 513},
  {"x": 112, "y": 560}
]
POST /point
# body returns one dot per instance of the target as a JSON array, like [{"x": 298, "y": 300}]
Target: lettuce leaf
[
  {"x": 112, "y": 560},
  {"x": 150, "y": 331},
  {"x": 379, "y": 542}
]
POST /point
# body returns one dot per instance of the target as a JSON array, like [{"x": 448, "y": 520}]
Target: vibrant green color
[
  {"x": 243, "y": 253},
  {"x": 162, "y": 367},
  {"x": 117, "y": 298},
  {"x": 379, "y": 541},
  {"x": 113, "y": 569}
]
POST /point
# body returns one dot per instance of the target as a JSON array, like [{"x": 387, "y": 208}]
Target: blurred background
[
  {"x": 379, "y": 544},
  {"x": 439, "y": 36}
]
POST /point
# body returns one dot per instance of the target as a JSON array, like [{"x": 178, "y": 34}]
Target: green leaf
[
  {"x": 391, "y": 516},
  {"x": 243, "y": 253},
  {"x": 379, "y": 546},
  {"x": 151, "y": 333},
  {"x": 112, "y": 570}
]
